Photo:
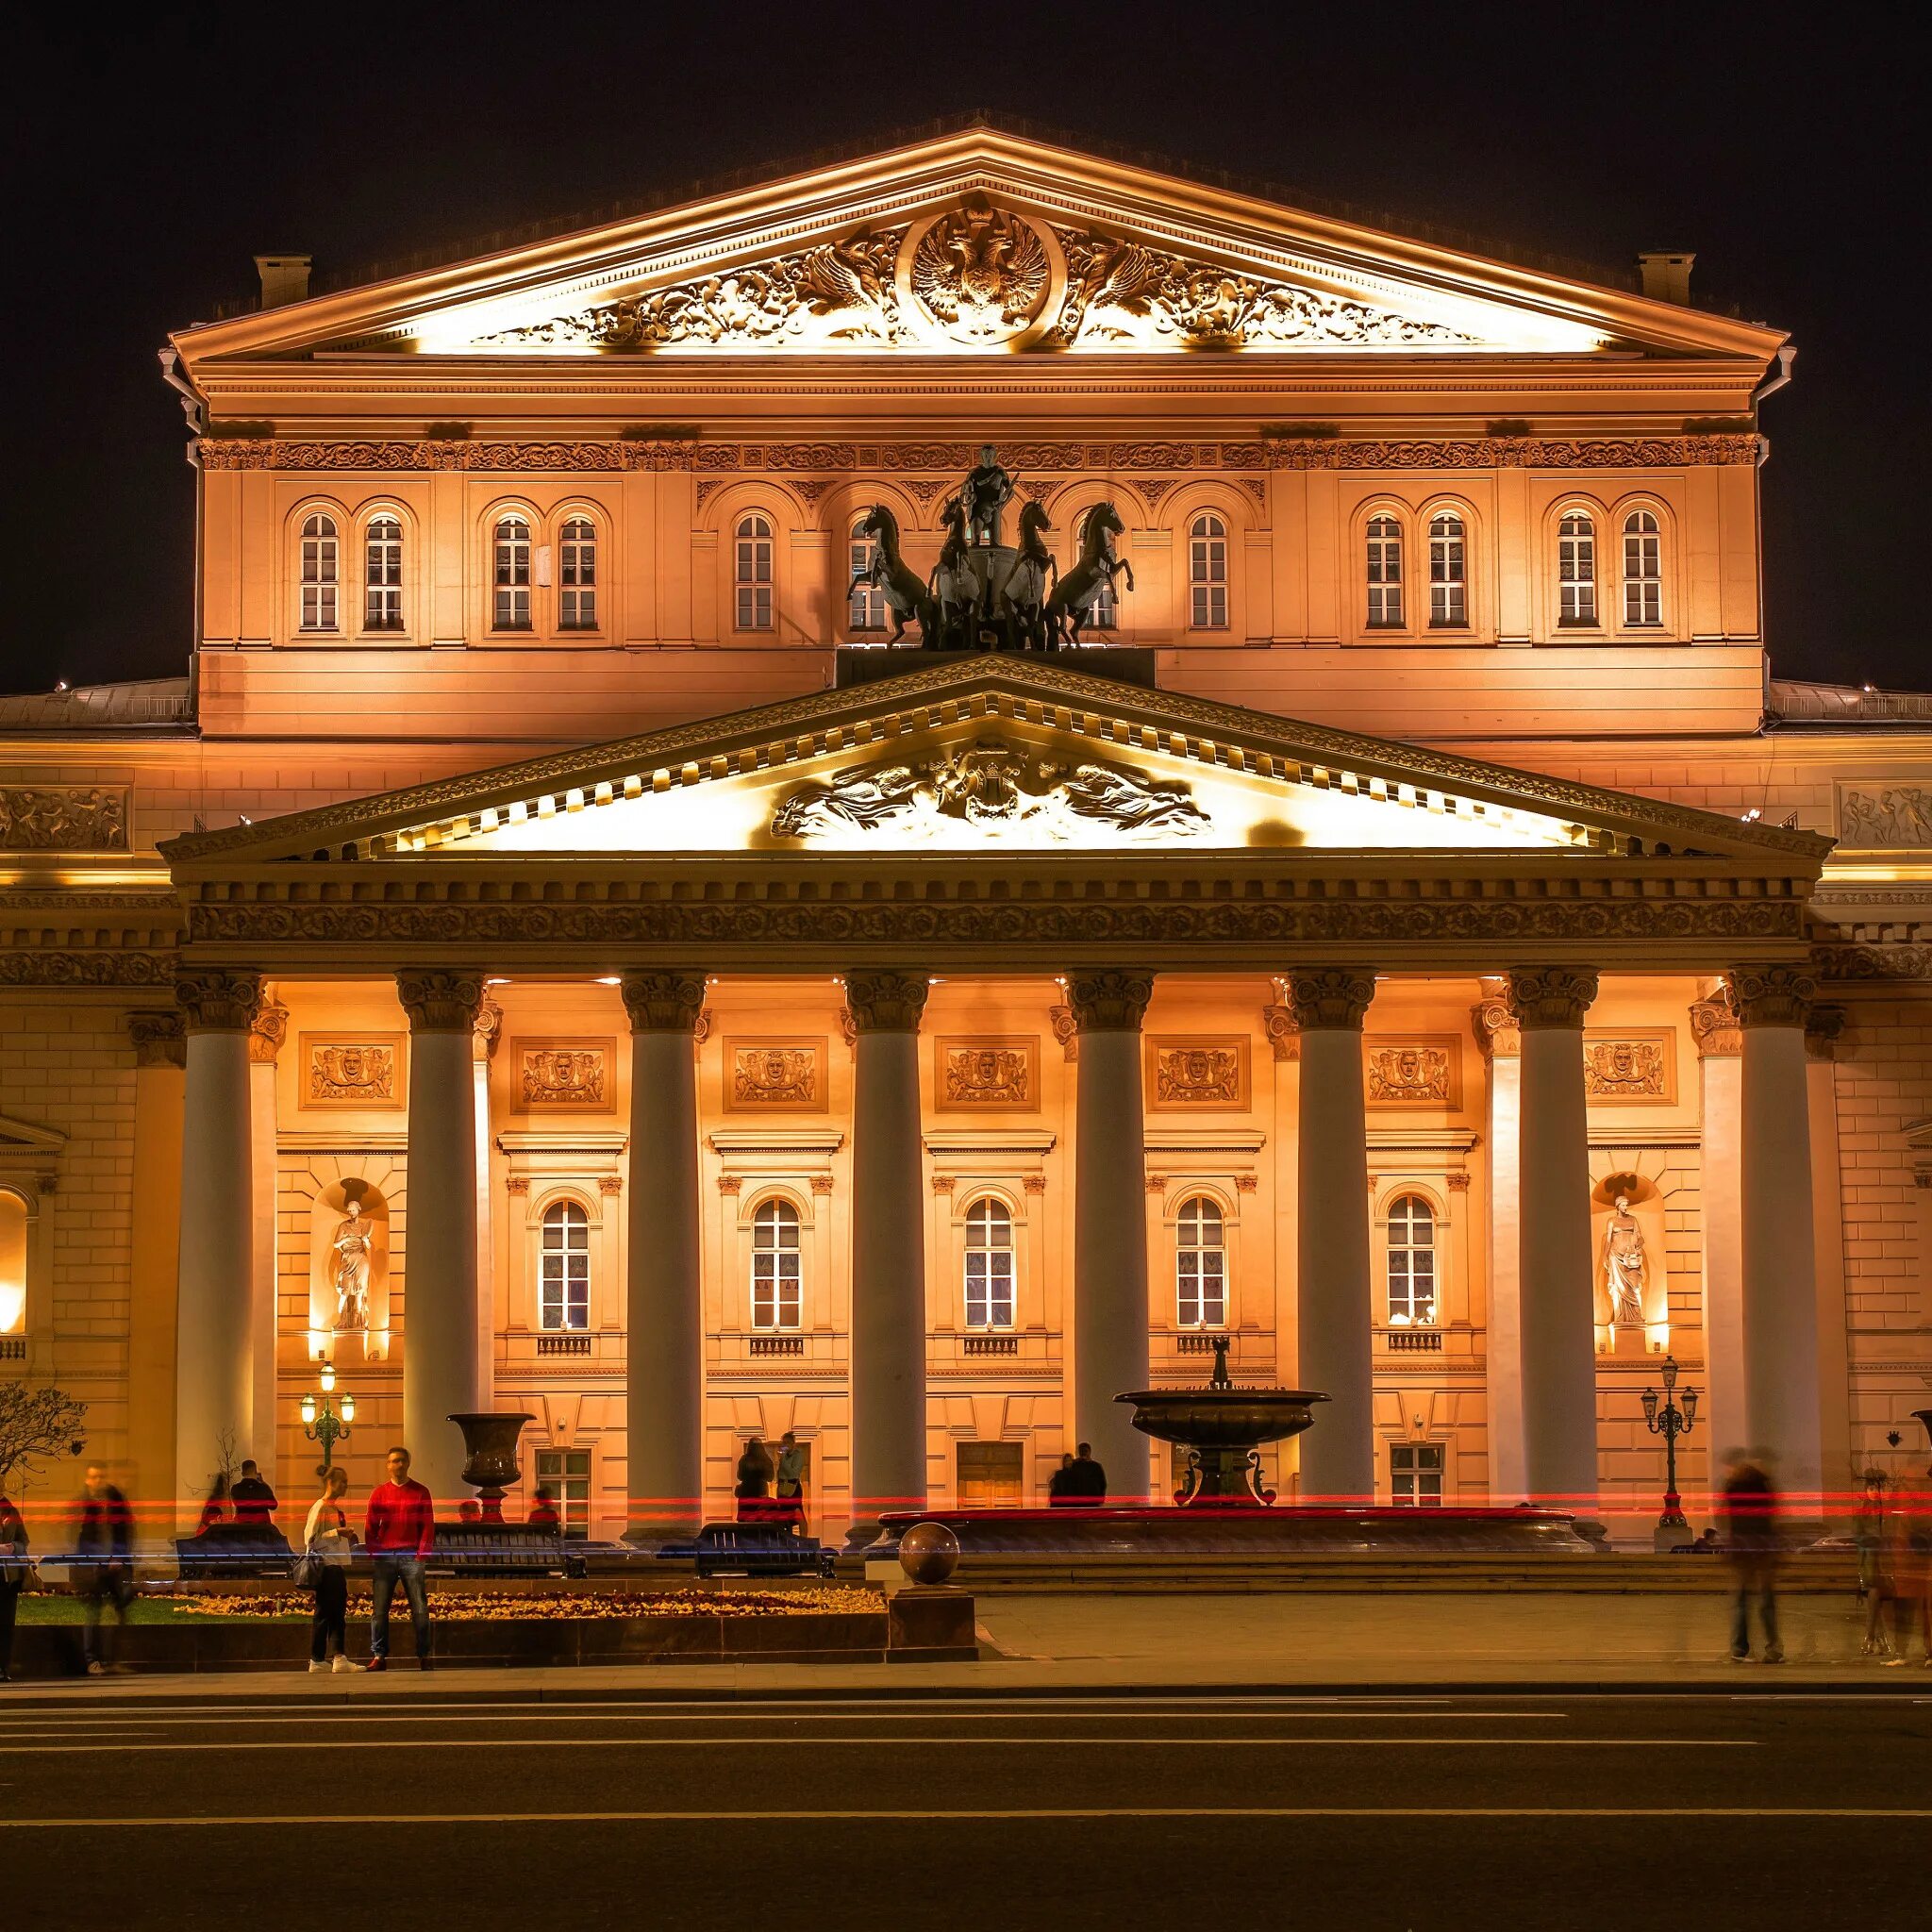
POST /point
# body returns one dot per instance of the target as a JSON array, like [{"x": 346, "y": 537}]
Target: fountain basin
[{"x": 1222, "y": 1427}]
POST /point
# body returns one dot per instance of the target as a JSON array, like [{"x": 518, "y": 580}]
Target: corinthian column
[
  {"x": 887, "y": 1246},
  {"x": 1334, "y": 1316},
  {"x": 265, "y": 1038},
  {"x": 1500, "y": 1045},
  {"x": 664, "y": 1349},
  {"x": 1780, "y": 1263},
  {"x": 1555, "y": 1267},
  {"x": 215, "y": 1336},
  {"x": 1109, "y": 1354},
  {"x": 440, "y": 1369}
]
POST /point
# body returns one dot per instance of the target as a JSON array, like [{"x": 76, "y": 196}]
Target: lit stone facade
[{"x": 708, "y": 1046}]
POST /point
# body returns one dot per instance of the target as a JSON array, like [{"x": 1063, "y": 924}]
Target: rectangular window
[
  {"x": 1385, "y": 573},
  {"x": 776, "y": 1296},
  {"x": 576, "y": 600},
  {"x": 566, "y": 1473},
  {"x": 382, "y": 575},
  {"x": 1643, "y": 570},
  {"x": 989, "y": 1287},
  {"x": 990, "y": 1472},
  {"x": 1415, "y": 1474},
  {"x": 1576, "y": 573},
  {"x": 1448, "y": 579},
  {"x": 1203, "y": 1287}
]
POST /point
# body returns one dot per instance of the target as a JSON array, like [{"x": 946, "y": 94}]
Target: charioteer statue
[{"x": 988, "y": 492}]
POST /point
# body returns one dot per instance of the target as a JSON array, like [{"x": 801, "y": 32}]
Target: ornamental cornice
[
  {"x": 1858, "y": 960},
  {"x": 1773, "y": 995},
  {"x": 1544, "y": 997},
  {"x": 106, "y": 966},
  {"x": 1109, "y": 1002},
  {"x": 1329, "y": 999},
  {"x": 770, "y": 733},
  {"x": 621, "y": 454},
  {"x": 885, "y": 1001},
  {"x": 663, "y": 1002}
]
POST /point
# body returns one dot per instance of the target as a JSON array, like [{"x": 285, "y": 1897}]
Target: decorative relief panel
[
  {"x": 781, "y": 1074},
  {"x": 1634, "y": 1066},
  {"x": 1198, "y": 1073},
  {"x": 63, "y": 818},
  {"x": 352, "y": 1070},
  {"x": 986, "y": 1073},
  {"x": 1879, "y": 814},
  {"x": 1423, "y": 1072},
  {"x": 564, "y": 1073}
]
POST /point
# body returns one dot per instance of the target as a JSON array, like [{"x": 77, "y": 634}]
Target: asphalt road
[{"x": 1355, "y": 1813}]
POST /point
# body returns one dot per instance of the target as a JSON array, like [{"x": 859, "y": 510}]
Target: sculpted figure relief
[
  {"x": 62, "y": 817},
  {"x": 1900, "y": 815},
  {"x": 1624, "y": 1263}
]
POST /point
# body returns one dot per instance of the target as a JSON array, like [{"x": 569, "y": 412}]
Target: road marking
[
  {"x": 1169, "y": 1742},
  {"x": 413, "y": 1821}
]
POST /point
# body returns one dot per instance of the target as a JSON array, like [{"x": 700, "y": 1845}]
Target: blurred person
[
  {"x": 104, "y": 1557},
  {"x": 327, "y": 1543},
  {"x": 399, "y": 1529},
  {"x": 1875, "y": 1563},
  {"x": 789, "y": 1484},
  {"x": 1908, "y": 1545},
  {"x": 544, "y": 1513},
  {"x": 1705, "y": 1546},
  {"x": 14, "y": 1573},
  {"x": 214, "y": 1512},
  {"x": 754, "y": 1485},
  {"x": 1058, "y": 1495},
  {"x": 255, "y": 1501},
  {"x": 1085, "y": 1479},
  {"x": 1749, "y": 1510}
]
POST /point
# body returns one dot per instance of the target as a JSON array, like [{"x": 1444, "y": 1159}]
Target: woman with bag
[{"x": 325, "y": 1568}]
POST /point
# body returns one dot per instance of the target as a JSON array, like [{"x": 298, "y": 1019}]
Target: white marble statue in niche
[
  {"x": 1625, "y": 1264},
  {"x": 353, "y": 1246}
]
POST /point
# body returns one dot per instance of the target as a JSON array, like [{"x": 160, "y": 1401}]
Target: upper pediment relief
[{"x": 975, "y": 243}]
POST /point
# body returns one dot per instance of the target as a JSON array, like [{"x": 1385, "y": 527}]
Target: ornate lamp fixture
[
  {"x": 1670, "y": 1422},
  {"x": 322, "y": 1422}
]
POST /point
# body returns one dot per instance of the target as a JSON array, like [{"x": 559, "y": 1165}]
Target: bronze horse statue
[
  {"x": 887, "y": 573},
  {"x": 1022, "y": 596},
  {"x": 1080, "y": 589},
  {"x": 953, "y": 589}
]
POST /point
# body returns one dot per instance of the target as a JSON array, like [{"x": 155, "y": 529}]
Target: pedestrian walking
[
  {"x": 399, "y": 1529},
  {"x": 1908, "y": 1547},
  {"x": 1087, "y": 1478},
  {"x": 790, "y": 1485},
  {"x": 255, "y": 1501},
  {"x": 326, "y": 1546},
  {"x": 13, "y": 1574},
  {"x": 104, "y": 1558},
  {"x": 1875, "y": 1563},
  {"x": 1750, "y": 1506}
]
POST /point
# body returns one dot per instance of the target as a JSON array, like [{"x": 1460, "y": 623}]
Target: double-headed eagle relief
[
  {"x": 1000, "y": 789},
  {"x": 977, "y": 275}
]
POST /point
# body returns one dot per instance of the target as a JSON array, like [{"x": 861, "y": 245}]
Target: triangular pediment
[
  {"x": 991, "y": 755},
  {"x": 977, "y": 242}
]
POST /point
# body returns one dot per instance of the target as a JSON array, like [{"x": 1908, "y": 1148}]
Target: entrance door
[{"x": 990, "y": 1473}]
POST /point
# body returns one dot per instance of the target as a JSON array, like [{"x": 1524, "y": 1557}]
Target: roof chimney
[
  {"x": 285, "y": 278},
  {"x": 1666, "y": 273}
]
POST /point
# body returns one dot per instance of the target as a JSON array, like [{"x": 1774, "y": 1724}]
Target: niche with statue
[
  {"x": 349, "y": 1269},
  {"x": 1633, "y": 1289}
]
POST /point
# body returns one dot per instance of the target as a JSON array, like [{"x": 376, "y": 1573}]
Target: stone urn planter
[{"x": 489, "y": 1441}]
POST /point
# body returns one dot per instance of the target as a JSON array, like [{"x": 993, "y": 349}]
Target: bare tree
[{"x": 37, "y": 1422}]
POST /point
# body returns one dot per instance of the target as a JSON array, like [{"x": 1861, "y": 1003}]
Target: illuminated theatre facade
[{"x": 1405, "y": 936}]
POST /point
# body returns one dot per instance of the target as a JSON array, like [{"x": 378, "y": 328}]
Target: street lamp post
[
  {"x": 1670, "y": 1422},
  {"x": 321, "y": 1421}
]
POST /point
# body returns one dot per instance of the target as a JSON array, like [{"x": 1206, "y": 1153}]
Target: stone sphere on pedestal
[{"x": 928, "y": 1553}]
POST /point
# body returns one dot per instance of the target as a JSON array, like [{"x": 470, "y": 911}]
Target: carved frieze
[
  {"x": 1198, "y": 1073},
  {"x": 1424, "y": 1072},
  {"x": 1634, "y": 1066},
  {"x": 994, "y": 787},
  {"x": 564, "y": 1073},
  {"x": 63, "y": 818},
  {"x": 777, "y": 1073},
  {"x": 352, "y": 1070},
  {"x": 103, "y": 966},
  {"x": 994, "y": 1072},
  {"x": 1875, "y": 814}
]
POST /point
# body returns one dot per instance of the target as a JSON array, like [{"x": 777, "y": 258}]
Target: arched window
[
  {"x": 988, "y": 1265},
  {"x": 1200, "y": 1266},
  {"x": 564, "y": 1299},
  {"x": 752, "y": 572},
  {"x": 1576, "y": 569},
  {"x": 1207, "y": 573},
  {"x": 1643, "y": 569},
  {"x": 776, "y": 1276},
  {"x": 1385, "y": 573},
  {"x": 12, "y": 1262},
  {"x": 382, "y": 574},
  {"x": 513, "y": 573},
  {"x": 1411, "y": 1262},
  {"x": 576, "y": 575},
  {"x": 318, "y": 573},
  {"x": 867, "y": 607},
  {"x": 1448, "y": 578}
]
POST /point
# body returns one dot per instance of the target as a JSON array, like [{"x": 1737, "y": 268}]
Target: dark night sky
[{"x": 150, "y": 162}]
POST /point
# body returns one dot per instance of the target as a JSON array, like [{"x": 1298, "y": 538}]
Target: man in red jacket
[{"x": 398, "y": 1531}]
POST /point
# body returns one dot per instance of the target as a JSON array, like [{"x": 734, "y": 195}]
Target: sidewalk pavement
[{"x": 1187, "y": 1645}]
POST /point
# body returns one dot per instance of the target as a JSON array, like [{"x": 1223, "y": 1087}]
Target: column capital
[
  {"x": 1714, "y": 1026},
  {"x": 438, "y": 1001},
  {"x": 266, "y": 1035},
  {"x": 1776, "y": 995},
  {"x": 1822, "y": 1025},
  {"x": 1283, "y": 1036},
  {"x": 1328, "y": 999},
  {"x": 669, "y": 1002},
  {"x": 886, "y": 1001},
  {"x": 1109, "y": 1002},
  {"x": 218, "y": 999},
  {"x": 160, "y": 1037},
  {"x": 487, "y": 1031},
  {"x": 1550, "y": 996},
  {"x": 1497, "y": 1034}
]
